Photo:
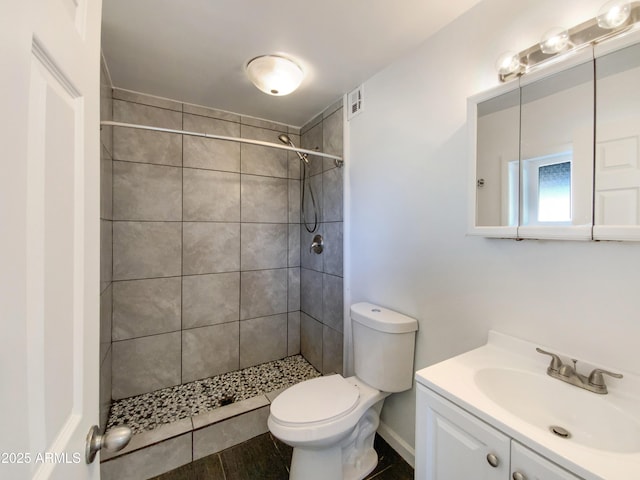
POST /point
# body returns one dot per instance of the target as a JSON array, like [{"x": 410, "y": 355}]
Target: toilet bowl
[{"x": 331, "y": 421}]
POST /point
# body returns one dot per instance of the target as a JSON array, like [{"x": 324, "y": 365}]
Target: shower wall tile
[
  {"x": 210, "y": 299},
  {"x": 149, "y": 100},
  {"x": 106, "y": 184},
  {"x": 294, "y": 201},
  {"x": 312, "y": 140},
  {"x": 313, "y": 190},
  {"x": 333, "y": 248},
  {"x": 146, "y": 249},
  {"x": 332, "y": 302},
  {"x": 149, "y": 462},
  {"x": 332, "y": 135},
  {"x": 308, "y": 258},
  {"x": 294, "y": 289},
  {"x": 258, "y": 160},
  {"x": 210, "y": 112},
  {"x": 147, "y": 146},
  {"x": 263, "y": 124},
  {"x": 311, "y": 123},
  {"x": 145, "y": 364},
  {"x": 146, "y": 307},
  {"x": 106, "y": 311},
  {"x": 331, "y": 351},
  {"x": 263, "y": 340},
  {"x": 263, "y": 246},
  {"x": 210, "y": 247},
  {"x": 311, "y": 293},
  {"x": 129, "y": 112},
  {"x": 263, "y": 293},
  {"x": 146, "y": 192},
  {"x": 294, "y": 131},
  {"x": 293, "y": 159},
  {"x": 264, "y": 199},
  {"x": 209, "y": 153},
  {"x": 211, "y": 196},
  {"x": 332, "y": 195},
  {"x": 311, "y": 340},
  {"x": 209, "y": 351},
  {"x": 293, "y": 333},
  {"x": 105, "y": 389},
  {"x": 294, "y": 245},
  {"x": 106, "y": 253},
  {"x": 330, "y": 110}
]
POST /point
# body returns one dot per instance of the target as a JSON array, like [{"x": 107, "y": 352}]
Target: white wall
[{"x": 407, "y": 188}]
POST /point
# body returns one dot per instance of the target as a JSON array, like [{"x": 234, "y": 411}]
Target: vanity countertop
[{"x": 505, "y": 384}]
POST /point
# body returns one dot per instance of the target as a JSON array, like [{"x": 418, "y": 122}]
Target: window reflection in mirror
[
  {"x": 617, "y": 169},
  {"x": 497, "y": 163},
  {"x": 556, "y": 149}
]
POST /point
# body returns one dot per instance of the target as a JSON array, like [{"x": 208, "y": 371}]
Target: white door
[{"x": 49, "y": 255}]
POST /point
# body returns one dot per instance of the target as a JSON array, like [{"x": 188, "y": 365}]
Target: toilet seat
[{"x": 315, "y": 401}]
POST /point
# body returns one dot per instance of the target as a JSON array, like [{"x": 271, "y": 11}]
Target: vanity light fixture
[
  {"x": 613, "y": 14},
  {"x": 613, "y": 18},
  {"x": 274, "y": 74}
]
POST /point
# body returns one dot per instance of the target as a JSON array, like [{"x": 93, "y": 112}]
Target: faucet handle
[
  {"x": 596, "y": 379},
  {"x": 555, "y": 364}
]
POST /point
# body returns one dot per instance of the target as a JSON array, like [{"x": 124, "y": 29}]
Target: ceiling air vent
[{"x": 356, "y": 102}]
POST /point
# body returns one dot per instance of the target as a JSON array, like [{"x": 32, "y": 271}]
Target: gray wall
[
  {"x": 321, "y": 275},
  {"x": 106, "y": 244},
  {"x": 206, "y": 256}
]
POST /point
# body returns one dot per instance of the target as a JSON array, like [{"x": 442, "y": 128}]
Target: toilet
[{"x": 331, "y": 421}]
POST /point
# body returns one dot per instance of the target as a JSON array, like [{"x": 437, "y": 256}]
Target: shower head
[{"x": 284, "y": 138}]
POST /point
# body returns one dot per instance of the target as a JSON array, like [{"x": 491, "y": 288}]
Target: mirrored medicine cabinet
[{"x": 556, "y": 154}]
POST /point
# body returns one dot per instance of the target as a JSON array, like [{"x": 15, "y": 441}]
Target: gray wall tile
[
  {"x": 294, "y": 245},
  {"x": 209, "y": 351},
  {"x": 332, "y": 303},
  {"x": 209, "y": 153},
  {"x": 106, "y": 253},
  {"x": 146, "y": 192},
  {"x": 211, "y": 247},
  {"x": 146, "y": 249},
  {"x": 150, "y": 100},
  {"x": 293, "y": 333},
  {"x": 331, "y": 351},
  {"x": 311, "y": 340},
  {"x": 294, "y": 201},
  {"x": 211, "y": 196},
  {"x": 145, "y": 364},
  {"x": 293, "y": 302},
  {"x": 149, "y": 462},
  {"x": 146, "y": 307},
  {"x": 312, "y": 190},
  {"x": 146, "y": 146},
  {"x": 258, "y": 160},
  {"x": 263, "y": 340},
  {"x": 333, "y": 248},
  {"x": 264, "y": 199},
  {"x": 129, "y": 112},
  {"x": 332, "y": 195},
  {"x": 106, "y": 184},
  {"x": 105, "y": 389},
  {"x": 263, "y": 246},
  {"x": 222, "y": 435},
  {"x": 312, "y": 140},
  {"x": 311, "y": 293},
  {"x": 210, "y": 299},
  {"x": 263, "y": 293},
  {"x": 259, "y": 122},
  {"x": 210, "y": 112},
  {"x": 295, "y": 167},
  {"x": 106, "y": 315},
  {"x": 332, "y": 135}
]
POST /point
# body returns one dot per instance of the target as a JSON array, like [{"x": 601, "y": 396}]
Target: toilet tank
[{"x": 383, "y": 347}]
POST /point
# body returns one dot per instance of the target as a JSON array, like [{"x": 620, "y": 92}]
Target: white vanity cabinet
[{"x": 452, "y": 444}]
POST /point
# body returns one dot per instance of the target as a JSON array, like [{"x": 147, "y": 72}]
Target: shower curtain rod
[{"x": 338, "y": 160}]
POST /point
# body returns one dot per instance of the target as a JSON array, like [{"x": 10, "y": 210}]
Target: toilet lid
[{"x": 316, "y": 400}]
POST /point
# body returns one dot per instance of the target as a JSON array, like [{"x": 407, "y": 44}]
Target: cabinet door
[
  {"x": 453, "y": 444},
  {"x": 534, "y": 467}
]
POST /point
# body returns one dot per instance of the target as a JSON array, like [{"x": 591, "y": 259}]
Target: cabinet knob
[
  {"x": 494, "y": 461},
  {"x": 518, "y": 476}
]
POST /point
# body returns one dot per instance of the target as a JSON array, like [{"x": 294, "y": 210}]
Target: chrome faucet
[{"x": 568, "y": 373}]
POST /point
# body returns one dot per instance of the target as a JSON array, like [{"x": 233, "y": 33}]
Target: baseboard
[{"x": 405, "y": 450}]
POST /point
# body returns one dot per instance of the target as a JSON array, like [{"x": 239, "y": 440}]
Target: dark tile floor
[{"x": 266, "y": 458}]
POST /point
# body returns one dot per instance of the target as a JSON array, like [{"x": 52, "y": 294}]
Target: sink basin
[{"x": 592, "y": 420}]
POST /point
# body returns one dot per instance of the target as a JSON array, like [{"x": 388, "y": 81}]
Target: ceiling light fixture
[
  {"x": 274, "y": 74},
  {"x": 613, "y": 18},
  {"x": 613, "y": 14}
]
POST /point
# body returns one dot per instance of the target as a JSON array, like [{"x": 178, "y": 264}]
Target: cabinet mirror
[{"x": 617, "y": 162}]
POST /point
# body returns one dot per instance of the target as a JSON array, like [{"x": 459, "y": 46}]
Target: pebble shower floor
[{"x": 150, "y": 410}]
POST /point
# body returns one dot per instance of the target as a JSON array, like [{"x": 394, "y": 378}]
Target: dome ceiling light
[{"x": 274, "y": 74}]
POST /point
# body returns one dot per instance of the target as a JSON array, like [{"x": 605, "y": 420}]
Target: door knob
[
  {"x": 114, "y": 440},
  {"x": 518, "y": 476}
]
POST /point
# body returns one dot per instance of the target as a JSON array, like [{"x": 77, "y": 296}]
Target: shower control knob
[
  {"x": 114, "y": 440},
  {"x": 317, "y": 246}
]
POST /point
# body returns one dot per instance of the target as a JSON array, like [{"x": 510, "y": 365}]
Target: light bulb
[
  {"x": 555, "y": 40},
  {"x": 508, "y": 62},
  {"x": 613, "y": 14},
  {"x": 274, "y": 74}
]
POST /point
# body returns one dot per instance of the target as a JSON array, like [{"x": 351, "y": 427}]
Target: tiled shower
[{"x": 205, "y": 266}]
